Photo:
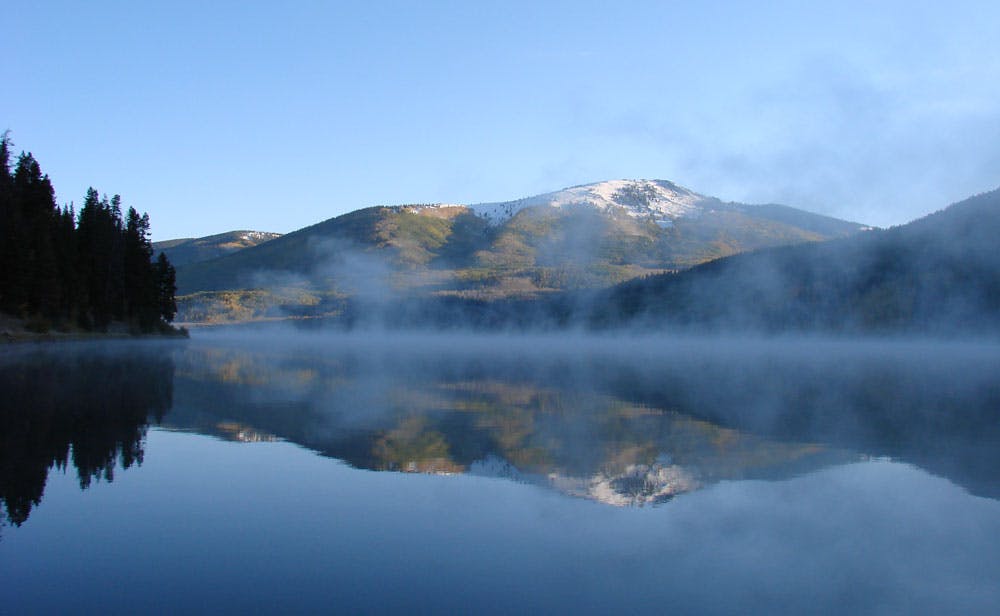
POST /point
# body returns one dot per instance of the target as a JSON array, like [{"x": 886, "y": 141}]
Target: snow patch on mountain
[
  {"x": 659, "y": 200},
  {"x": 258, "y": 236},
  {"x": 420, "y": 207}
]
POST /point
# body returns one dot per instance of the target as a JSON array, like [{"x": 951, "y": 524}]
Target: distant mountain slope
[
  {"x": 191, "y": 250},
  {"x": 661, "y": 202},
  {"x": 583, "y": 237},
  {"x": 939, "y": 273},
  {"x": 399, "y": 235}
]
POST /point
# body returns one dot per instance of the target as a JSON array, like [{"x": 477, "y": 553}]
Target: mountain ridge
[
  {"x": 937, "y": 274},
  {"x": 182, "y": 251},
  {"x": 588, "y": 236}
]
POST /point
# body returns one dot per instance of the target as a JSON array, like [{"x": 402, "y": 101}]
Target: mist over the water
[
  {"x": 746, "y": 473},
  {"x": 936, "y": 277},
  {"x": 930, "y": 402}
]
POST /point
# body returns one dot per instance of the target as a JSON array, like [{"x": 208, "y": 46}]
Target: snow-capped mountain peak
[
  {"x": 659, "y": 200},
  {"x": 257, "y": 236}
]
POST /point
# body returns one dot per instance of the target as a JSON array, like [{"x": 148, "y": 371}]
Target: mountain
[
  {"x": 191, "y": 250},
  {"x": 662, "y": 202},
  {"x": 638, "y": 226},
  {"x": 938, "y": 274},
  {"x": 584, "y": 237}
]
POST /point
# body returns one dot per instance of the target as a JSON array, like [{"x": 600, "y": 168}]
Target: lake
[{"x": 274, "y": 471}]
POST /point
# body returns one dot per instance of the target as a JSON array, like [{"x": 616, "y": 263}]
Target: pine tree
[
  {"x": 11, "y": 291},
  {"x": 141, "y": 283},
  {"x": 95, "y": 267},
  {"x": 166, "y": 278},
  {"x": 101, "y": 248},
  {"x": 38, "y": 271},
  {"x": 115, "y": 280},
  {"x": 86, "y": 265},
  {"x": 69, "y": 264}
]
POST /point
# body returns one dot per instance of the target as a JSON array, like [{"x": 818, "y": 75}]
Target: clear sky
[{"x": 215, "y": 116}]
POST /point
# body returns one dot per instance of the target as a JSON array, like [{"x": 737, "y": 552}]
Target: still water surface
[{"x": 498, "y": 475}]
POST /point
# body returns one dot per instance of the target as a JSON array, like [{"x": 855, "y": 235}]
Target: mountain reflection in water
[
  {"x": 759, "y": 455},
  {"x": 532, "y": 423},
  {"x": 626, "y": 425}
]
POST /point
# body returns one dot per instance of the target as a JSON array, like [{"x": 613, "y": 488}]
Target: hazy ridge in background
[
  {"x": 646, "y": 254},
  {"x": 582, "y": 238},
  {"x": 935, "y": 275},
  {"x": 193, "y": 249}
]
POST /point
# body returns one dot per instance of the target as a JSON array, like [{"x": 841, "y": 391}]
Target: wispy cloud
[{"x": 880, "y": 148}]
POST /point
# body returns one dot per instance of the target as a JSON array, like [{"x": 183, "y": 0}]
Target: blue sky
[{"x": 225, "y": 115}]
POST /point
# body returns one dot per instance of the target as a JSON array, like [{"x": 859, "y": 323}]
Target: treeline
[
  {"x": 938, "y": 275},
  {"x": 61, "y": 269}
]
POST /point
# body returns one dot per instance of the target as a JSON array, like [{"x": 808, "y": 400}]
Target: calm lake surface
[{"x": 366, "y": 473}]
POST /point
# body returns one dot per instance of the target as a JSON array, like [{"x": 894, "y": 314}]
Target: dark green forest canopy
[
  {"x": 937, "y": 275},
  {"x": 90, "y": 270}
]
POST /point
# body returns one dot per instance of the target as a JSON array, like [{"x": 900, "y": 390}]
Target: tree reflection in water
[
  {"x": 75, "y": 407},
  {"x": 623, "y": 430}
]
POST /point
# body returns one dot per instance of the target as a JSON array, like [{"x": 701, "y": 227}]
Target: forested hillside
[
  {"x": 937, "y": 274},
  {"x": 60, "y": 269},
  {"x": 195, "y": 249},
  {"x": 577, "y": 239}
]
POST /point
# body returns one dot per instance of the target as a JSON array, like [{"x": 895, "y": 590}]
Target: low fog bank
[
  {"x": 933, "y": 403},
  {"x": 622, "y": 344},
  {"x": 937, "y": 276}
]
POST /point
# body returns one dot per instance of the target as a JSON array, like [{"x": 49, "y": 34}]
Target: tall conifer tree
[
  {"x": 166, "y": 278},
  {"x": 95, "y": 267},
  {"x": 10, "y": 225}
]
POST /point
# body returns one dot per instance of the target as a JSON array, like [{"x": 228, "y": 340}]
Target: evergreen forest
[{"x": 90, "y": 270}]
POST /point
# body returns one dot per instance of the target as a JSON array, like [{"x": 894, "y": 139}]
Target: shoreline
[{"x": 16, "y": 331}]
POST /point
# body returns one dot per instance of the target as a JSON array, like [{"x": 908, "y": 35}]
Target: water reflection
[
  {"x": 635, "y": 424},
  {"x": 630, "y": 424},
  {"x": 74, "y": 406},
  {"x": 934, "y": 405},
  {"x": 209, "y": 524}
]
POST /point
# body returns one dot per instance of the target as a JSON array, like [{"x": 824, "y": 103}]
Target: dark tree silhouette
[
  {"x": 166, "y": 279},
  {"x": 51, "y": 415},
  {"x": 92, "y": 270}
]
